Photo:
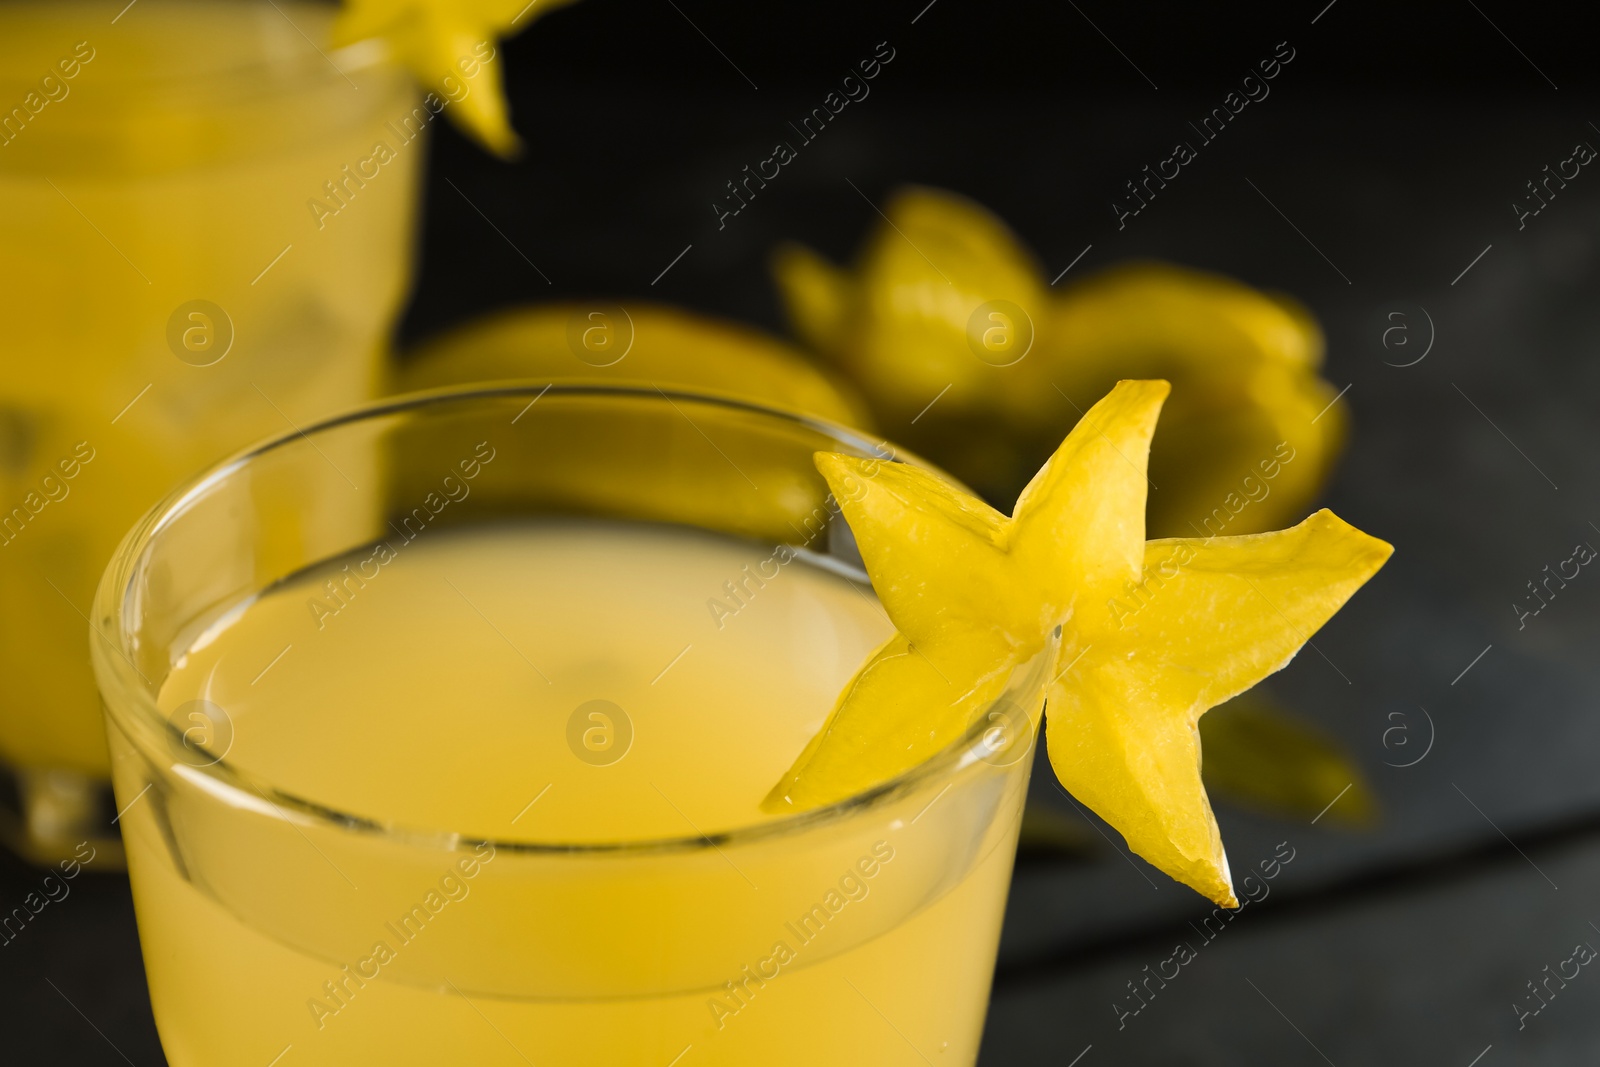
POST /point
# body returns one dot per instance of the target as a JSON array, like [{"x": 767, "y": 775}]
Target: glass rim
[
  {"x": 132, "y": 698},
  {"x": 330, "y": 64}
]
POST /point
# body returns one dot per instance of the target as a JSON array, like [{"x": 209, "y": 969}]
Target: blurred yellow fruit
[
  {"x": 898, "y": 323},
  {"x": 649, "y": 347},
  {"x": 1260, "y": 756},
  {"x": 642, "y": 344},
  {"x": 1153, "y": 633},
  {"x": 968, "y": 357},
  {"x": 1046, "y": 833}
]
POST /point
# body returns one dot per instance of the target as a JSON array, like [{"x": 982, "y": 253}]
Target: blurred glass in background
[{"x": 208, "y": 231}]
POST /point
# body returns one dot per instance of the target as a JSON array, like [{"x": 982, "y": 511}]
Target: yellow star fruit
[
  {"x": 944, "y": 304},
  {"x": 1153, "y": 633},
  {"x": 1244, "y": 367},
  {"x": 897, "y": 324},
  {"x": 443, "y": 39}
]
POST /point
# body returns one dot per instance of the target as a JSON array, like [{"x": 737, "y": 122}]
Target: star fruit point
[{"x": 975, "y": 593}]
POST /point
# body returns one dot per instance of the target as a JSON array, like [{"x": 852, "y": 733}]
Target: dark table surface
[{"x": 1378, "y": 177}]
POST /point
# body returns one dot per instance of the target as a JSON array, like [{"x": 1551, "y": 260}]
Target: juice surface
[{"x": 439, "y": 693}]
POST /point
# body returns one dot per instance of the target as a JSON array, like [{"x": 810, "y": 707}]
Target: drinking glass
[
  {"x": 170, "y": 291},
  {"x": 861, "y": 932}
]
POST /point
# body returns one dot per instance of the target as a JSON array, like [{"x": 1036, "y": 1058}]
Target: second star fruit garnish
[
  {"x": 450, "y": 44},
  {"x": 1153, "y": 633}
]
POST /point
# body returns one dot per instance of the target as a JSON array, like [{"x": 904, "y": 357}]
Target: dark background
[{"x": 1396, "y": 142}]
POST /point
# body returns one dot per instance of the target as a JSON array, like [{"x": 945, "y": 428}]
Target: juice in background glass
[
  {"x": 167, "y": 295},
  {"x": 475, "y": 776}
]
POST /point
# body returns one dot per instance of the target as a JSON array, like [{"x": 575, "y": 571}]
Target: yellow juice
[
  {"x": 168, "y": 294},
  {"x": 515, "y": 818}
]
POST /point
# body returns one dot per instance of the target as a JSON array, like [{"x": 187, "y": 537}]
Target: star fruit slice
[
  {"x": 444, "y": 43},
  {"x": 1153, "y": 633}
]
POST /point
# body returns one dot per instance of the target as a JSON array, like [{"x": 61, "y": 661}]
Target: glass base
[{"x": 46, "y": 814}]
